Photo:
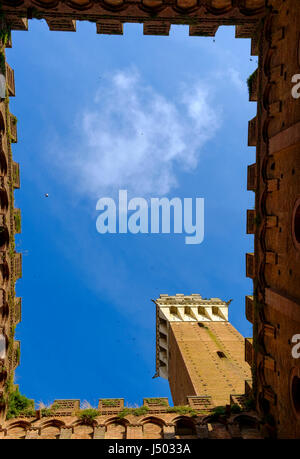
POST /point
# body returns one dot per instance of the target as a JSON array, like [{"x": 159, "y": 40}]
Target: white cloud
[
  {"x": 134, "y": 138},
  {"x": 236, "y": 79}
]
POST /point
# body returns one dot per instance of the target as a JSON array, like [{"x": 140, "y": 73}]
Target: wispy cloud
[
  {"x": 236, "y": 78},
  {"x": 132, "y": 137}
]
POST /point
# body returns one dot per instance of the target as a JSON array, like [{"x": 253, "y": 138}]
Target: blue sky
[{"x": 158, "y": 116}]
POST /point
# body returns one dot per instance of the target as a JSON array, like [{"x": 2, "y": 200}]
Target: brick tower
[{"x": 198, "y": 350}]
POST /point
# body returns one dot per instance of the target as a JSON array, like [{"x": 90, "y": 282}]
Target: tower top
[
  {"x": 182, "y": 308},
  {"x": 191, "y": 308}
]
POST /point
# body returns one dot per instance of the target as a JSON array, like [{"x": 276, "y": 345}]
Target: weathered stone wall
[
  {"x": 163, "y": 426},
  {"x": 274, "y": 307},
  {"x": 10, "y": 223},
  {"x": 275, "y": 265},
  {"x": 203, "y": 17}
]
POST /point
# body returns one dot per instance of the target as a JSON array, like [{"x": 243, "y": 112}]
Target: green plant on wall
[
  {"x": 17, "y": 219},
  {"x": 9, "y": 384},
  {"x": 156, "y": 401},
  {"x": 11, "y": 251},
  {"x": 18, "y": 354},
  {"x": 182, "y": 410},
  {"x": 2, "y": 64},
  {"x": 3, "y": 368},
  {"x": 235, "y": 408},
  {"x": 5, "y": 35},
  {"x": 2, "y": 400},
  {"x": 250, "y": 404},
  {"x": 16, "y": 176},
  {"x": 134, "y": 411},
  {"x": 19, "y": 405},
  {"x": 217, "y": 412},
  {"x": 110, "y": 402},
  {"x": 88, "y": 416},
  {"x": 55, "y": 406},
  {"x": 250, "y": 81},
  {"x": 48, "y": 412}
]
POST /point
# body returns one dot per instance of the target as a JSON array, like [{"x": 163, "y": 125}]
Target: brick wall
[
  {"x": 167, "y": 425},
  {"x": 196, "y": 368}
]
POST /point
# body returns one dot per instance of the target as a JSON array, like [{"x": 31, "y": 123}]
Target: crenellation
[
  {"x": 16, "y": 22},
  {"x": 156, "y": 28},
  {"x": 250, "y": 308},
  {"x": 251, "y": 177},
  {"x": 16, "y": 174},
  {"x": 249, "y": 355},
  {"x": 251, "y": 219},
  {"x": 175, "y": 11},
  {"x": 165, "y": 423},
  {"x": 203, "y": 29},
  {"x": 61, "y": 24},
  {"x": 10, "y": 78},
  {"x": 252, "y": 130},
  {"x": 250, "y": 265},
  {"x": 110, "y": 27},
  {"x": 13, "y": 128}
]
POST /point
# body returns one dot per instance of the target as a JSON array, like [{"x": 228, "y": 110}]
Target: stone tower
[{"x": 198, "y": 350}]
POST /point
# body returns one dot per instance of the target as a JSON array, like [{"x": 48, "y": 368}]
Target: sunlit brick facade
[
  {"x": 158, "y": 423},
  {"x": 198, "y": 350},
  {"x": 274, "y": 305}
]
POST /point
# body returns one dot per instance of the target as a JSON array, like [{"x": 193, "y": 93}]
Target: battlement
[
  {"x": 154, "y": 419},
  {"x": 191, "y": 308}
]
